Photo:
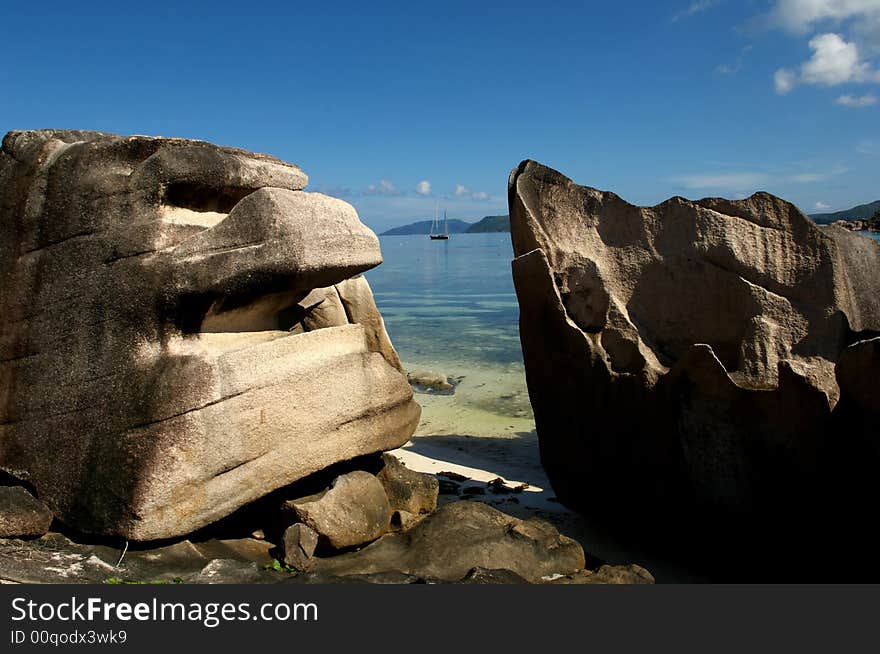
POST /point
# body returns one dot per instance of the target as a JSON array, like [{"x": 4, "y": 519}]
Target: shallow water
[
  {"x": 874, "y": 235},
  {"x": 450, "y": 306},
  {"x": 438, "y": 295}
]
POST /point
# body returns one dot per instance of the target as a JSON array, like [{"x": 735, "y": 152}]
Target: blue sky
[{"x": 395, "y": 106}]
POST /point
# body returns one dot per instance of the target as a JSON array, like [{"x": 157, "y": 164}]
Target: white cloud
[
  {"x": 799, "y": 16},
  {"x": 423, "y": 187},
  {"x": 821, "y": 206},
  {"x": 462, "y": 191},
  {"x": 857, "y": 101},
  {"x": 384, "y": 187},
  {"x": 846, "y": 35},
  {"x": 866, "y": 32},
  {"x": 694, "y": 8},
  {"x": 784, "y": 80},
  {"x": 834, "y": 61}
]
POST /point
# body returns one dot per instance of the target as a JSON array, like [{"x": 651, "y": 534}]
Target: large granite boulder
[
  {"x": 713, "y": 356},
  {"x": 182, "y": 330}
]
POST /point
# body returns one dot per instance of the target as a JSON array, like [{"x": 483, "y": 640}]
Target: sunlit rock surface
[
  {"x": 713, "y": 356},
  {"x": 182, "y": 330}
]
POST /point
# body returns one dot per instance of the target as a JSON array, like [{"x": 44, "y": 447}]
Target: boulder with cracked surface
[
  {"x": 707, "y": 355},
  {"x": 182, "y": 330}
]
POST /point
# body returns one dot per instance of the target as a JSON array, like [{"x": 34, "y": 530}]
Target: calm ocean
[
  {"x": 449, "y": 306},
  {"x": 449, "y": 301}
]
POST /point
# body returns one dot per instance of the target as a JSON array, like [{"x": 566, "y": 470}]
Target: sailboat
[{"x": 436, "y": 234}]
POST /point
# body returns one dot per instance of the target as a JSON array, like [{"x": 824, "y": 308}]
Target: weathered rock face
[
  {"x": 182, "y": 330},
  {"x": 707, "y": 354},
  {"x": 353, "y": 511},
  {"x": 21, "y": 514},
  {"x": 298, "y": 544},
  {"x": 408, "y": 491}
]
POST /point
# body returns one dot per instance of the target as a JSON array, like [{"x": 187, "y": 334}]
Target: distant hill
[
  {"x": 490, "y": 224},
  {"x": 424, "y": 226},
  {"x": 861, "y": 212}
]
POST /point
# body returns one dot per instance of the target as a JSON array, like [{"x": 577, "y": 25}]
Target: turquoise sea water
[
  {"x": 874, "y": 235},
  {"x": 449, "y": 300}
]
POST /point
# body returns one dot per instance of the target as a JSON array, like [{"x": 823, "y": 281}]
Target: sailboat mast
[{"x": 436, "y": 234}]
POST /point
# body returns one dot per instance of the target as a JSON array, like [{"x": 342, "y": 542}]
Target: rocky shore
[
  {"x": 197, "y": 385},
  {"x": 360, "y": 528},
  {"x": 856, "y": 225}
]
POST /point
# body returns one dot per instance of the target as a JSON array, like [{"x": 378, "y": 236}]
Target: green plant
[{"x": 278, "y": 566}]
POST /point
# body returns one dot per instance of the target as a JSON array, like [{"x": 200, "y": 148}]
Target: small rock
[
  {"x": 298, "y": 544},
  {"x": 407, "y": 490},
  {"x": 21, "y": 514},
  {"x": 353, "y": 511},
  {"x": 429, "y": 380},
  {"x": 497, "y": 485}
]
